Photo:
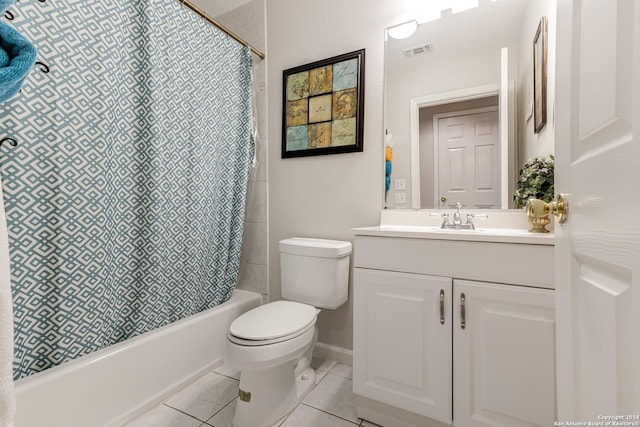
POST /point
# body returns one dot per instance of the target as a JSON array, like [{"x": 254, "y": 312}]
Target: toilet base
[{"x": 267, "y": 396}]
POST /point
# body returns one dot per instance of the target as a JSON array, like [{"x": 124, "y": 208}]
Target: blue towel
[{"x": 17, "y": 56}]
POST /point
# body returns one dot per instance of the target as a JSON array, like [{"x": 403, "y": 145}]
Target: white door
[
  {"x": 504, "y": 356},
  {"x": 402, "y": 341},
  {"x": 469, "y": 160},
  {"x": 598, "y": 248}
]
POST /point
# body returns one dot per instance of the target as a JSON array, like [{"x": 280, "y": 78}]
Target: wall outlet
[
  {"x": 400, "y": 184},
  {"x": 401, "y": 198}
]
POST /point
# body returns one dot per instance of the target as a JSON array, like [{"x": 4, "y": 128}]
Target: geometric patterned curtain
[{"x": 125, "y": 195}]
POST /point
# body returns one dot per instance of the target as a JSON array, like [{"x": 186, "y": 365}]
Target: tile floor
[{"x": 210, "y": 400}]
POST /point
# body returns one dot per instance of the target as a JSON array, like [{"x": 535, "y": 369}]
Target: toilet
[{"x": 272, "y": 345}]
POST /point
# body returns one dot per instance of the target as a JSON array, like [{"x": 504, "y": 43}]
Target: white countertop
[
  {"x": 499, "y": 227},
  {"x": 498, "y": 235}
]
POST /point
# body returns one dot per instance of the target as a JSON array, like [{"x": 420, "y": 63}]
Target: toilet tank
[{"x": 315, "y": 271}]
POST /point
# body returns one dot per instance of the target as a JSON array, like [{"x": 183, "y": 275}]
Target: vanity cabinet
[{"x": 445, "y": 348}]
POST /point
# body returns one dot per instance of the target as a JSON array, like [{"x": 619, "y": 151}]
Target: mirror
[{"x": 465, "y": 77}]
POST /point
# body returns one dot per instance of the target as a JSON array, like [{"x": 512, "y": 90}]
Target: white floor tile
[
  {"x": 224, "y": 418},
  {"x": 163, "y": 416},
  {"x": 322, "y": 364},
  {"x": 366, "y": 423},
  {"x": 344, "y": 371},
  {"x": 228, "y": 371},
  {"x": 307, "y": 416},
  {"x": 206, "y": 396},
  {"x": 334, "y": 395}
]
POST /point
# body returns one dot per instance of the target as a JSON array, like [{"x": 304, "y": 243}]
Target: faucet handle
[
  {"x": 472, "y": 215},
  {"x": 441, "y": 215}
]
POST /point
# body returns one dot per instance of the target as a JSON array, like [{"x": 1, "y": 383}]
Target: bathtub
[{"x": 111, "y": 386}]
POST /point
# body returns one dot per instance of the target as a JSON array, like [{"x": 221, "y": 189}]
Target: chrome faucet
[
  {"x": 456, "y": 216},
  {"x": 457, "y": 223}
]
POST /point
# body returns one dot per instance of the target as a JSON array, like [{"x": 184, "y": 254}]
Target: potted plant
[{"x": 536, "y": 180}]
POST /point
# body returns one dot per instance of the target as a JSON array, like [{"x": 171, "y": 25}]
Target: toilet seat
[{"x": 272, "y": 323}]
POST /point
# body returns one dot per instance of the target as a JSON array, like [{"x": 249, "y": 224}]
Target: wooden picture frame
[
  {"x": 540, "y": 76},
  {"x": 323, "y": 106}
]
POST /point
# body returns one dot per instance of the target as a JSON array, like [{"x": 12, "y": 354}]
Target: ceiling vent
[{"x": 418, "y": 50}]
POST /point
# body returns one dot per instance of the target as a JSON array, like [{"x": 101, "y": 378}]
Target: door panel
[
  {"x": 597, "y": 249},
  {"x": 469, "y": 160}
]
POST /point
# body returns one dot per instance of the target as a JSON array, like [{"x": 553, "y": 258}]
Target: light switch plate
[{"x": 401, "y": 197}]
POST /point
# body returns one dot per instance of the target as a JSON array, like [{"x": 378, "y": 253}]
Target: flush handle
[
  {"x": 442, "y": 306},
  {"x": 463, "y": 321}
]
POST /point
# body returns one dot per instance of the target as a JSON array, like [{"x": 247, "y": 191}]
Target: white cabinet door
[
  {"x": 402, "y": 341},
  {"x": 503, "y": 366}
]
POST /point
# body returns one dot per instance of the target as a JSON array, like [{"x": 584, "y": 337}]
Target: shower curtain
[{"x": 125, "y": 193}]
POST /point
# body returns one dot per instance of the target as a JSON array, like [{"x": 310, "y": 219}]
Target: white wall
[
  {"x": 325, "y": 196},
  {"x": 530, "y": 143}
]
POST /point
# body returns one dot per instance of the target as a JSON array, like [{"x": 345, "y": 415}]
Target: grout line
[
  {"x": 182, "y": 412},
  {"x": 329, "y": 413},
  {"x": 226, "y": 376}
]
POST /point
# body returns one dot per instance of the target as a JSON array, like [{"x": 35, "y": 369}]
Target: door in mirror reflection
[{"x": 468, "y": 146}]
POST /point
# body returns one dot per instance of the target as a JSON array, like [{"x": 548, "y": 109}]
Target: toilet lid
[{"x": 273, "y": 320}]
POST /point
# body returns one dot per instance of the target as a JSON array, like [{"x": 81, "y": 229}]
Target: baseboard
[{"x": 339, "y": 354}]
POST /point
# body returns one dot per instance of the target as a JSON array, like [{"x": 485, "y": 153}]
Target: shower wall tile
[
  {"x": 253, "y": 278},
  {"x": 226, "y": 20},
  {"x": 256, "y": 243},
  {"x": 259, "y": 171},
  {"x": 248, "y": 22},
  {"x": 257, "y": 202}
]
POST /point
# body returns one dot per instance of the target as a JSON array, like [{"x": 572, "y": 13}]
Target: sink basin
[{"x": 498, "y": 226}]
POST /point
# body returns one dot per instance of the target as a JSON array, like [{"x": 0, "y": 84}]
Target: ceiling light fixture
[{"x": 404, "y": 30}]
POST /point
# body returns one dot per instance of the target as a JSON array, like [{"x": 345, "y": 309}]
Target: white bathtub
[{"x": 110, "y": 386}]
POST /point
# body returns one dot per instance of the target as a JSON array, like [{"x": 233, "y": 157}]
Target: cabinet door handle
[
  {"x": 442, "y": 306},
  {"x": 463, "y": 321}
]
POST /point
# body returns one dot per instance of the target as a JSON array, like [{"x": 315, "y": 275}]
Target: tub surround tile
[
  {"x": 255, "y": 239},
  {"x": 334, "y": 395},
  {"x": 257, "y": 202},
  {"x": 253, "y": 278}
]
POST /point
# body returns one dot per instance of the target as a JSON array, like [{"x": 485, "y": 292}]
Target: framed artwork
[
  {"x": 323, "y": 106},
  {"x": 540, "y": 76}
]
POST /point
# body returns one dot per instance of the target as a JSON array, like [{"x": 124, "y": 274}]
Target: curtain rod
[{"x": 209, "y": 19}]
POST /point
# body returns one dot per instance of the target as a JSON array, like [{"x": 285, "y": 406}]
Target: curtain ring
[
  {"x": 11, "y": 141},
  {"x": 43, "y": 67}
]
